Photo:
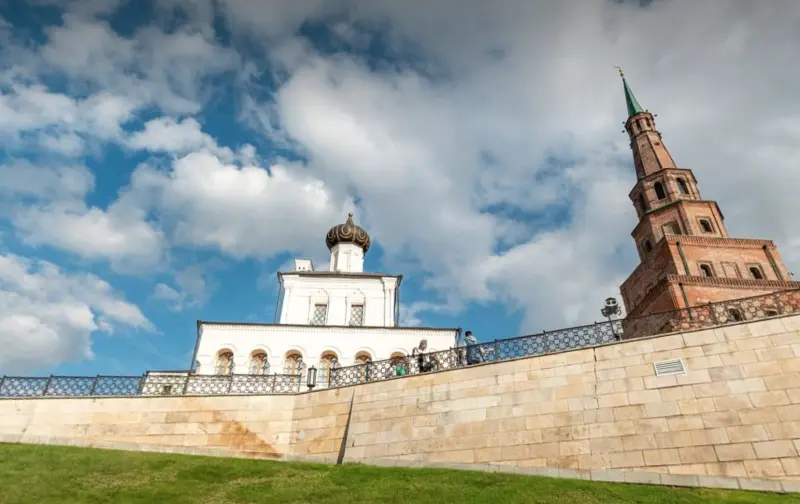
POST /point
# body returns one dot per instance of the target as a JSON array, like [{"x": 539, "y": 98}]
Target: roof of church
[
  {"x": 349, "y": 232},
  {"x": 630, "y": 100},
  {"x": 340, "y": 274},
  {"x": 317, "y": 327}
]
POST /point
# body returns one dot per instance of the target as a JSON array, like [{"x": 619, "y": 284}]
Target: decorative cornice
[
  {"x": 678, "y": 201},
  {"x": 256, "y": 327},
  {"x": 741, "y": 283},
  {"x": 660, "y": 173},
  {"x": 710, "y": 241}
]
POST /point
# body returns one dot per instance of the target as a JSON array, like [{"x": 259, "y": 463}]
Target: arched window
[
  {"x": 224, "y": 363},
  {"x": 642, "y": 203},
  {"x": 682, "y": 187},
  {"x": 705, "y": 270},
  {"x": 293, "y": 365},
  {"x": 259, "y": 363},
  {"x": 647, "y": 245},
  {"x": 398, "y": 365},
  {"x": 658, "y": 187},
  {"x": 327, "y": 364},
  {"x": 362, "y": 359},
  {"x": 705, "y": 225},
  {"x": 756, "y": 272}
]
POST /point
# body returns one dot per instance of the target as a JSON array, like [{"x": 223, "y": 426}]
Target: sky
[{"x": 161, "y": 161}]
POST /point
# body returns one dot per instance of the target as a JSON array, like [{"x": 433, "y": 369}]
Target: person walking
[{"x": 474, "y": 350}]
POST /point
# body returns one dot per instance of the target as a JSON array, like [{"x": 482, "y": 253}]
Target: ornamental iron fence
[{"x": 189, "y": 384}]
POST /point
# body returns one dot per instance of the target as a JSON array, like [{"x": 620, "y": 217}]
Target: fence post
[
  {"x": 94, "y": 385},
  {"x": 141, "y": 384},
  {"x": 47, "y": 385},
  {"x": 186, "y": 383}
]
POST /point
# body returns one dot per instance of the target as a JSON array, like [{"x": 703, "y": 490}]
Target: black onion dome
[{"x": 348, "y": 232}]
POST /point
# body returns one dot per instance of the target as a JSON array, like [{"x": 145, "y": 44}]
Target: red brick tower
[{"x": 686, "y": 256}]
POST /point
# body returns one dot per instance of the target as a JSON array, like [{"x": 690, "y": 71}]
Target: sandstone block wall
[
  {"x": 258, "y": 425},
  {"x": 735, "y": 413}
]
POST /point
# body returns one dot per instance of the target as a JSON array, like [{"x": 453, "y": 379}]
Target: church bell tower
[{"x": 686, "y": 256}]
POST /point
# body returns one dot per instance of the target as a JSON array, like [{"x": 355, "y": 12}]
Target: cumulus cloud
[
  {"x": 481, "y": 142},
  {"x": 241, "y": 211},
  {"x": 48, "y": 316},
  {"x": 499, "y": 136}
]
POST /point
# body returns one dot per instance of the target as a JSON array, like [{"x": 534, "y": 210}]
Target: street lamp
[
  {"x": 312, "y": 377},
  {"x": 611, "y": 308}
]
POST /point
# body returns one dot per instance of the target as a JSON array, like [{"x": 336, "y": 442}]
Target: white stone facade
[
  {"x": 280, "y": 342},
  {"x": 334, "y": 318}
]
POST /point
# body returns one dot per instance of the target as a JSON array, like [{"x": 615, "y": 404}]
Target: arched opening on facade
[
  {"x": 735, "y": 315},
  {"x": 224, "y": 365},
  {"x": 259, "y": 363},
  {"x": 682, "y": 187},
  {"x": 658, "y": 187},
  {"x": 642, "y": 203},
  {"x": 755, "y": 271},
  {"x": 328, "y": 363},
  {"x": 293, "y": 363},
  {"x": 706, "y": 271},
  {"x": 397, "y": 364},
  {"x": 363, "y": 359},
  {"x": 705, "y": 226}
]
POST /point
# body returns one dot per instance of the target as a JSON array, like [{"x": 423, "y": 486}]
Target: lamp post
[
  {"x": 611, "y": 308},
  {"x": 311, "y": 378}
]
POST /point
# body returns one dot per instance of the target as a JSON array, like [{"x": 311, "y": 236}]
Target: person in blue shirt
[{"x": 474, "y": 350}]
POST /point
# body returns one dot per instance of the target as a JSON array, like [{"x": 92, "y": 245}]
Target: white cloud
[
  {"x": 119, "y": 234},
  {"x": 521, "y": 83},
  {"x": 242, "y": 211},
  {"x": 170, "y": 135},
  {"x": 194, "y": 287},
  {"x": 46, "y": 205},
  {"x": 48, "y": 316},
  {"x": 491, "y": 161}
]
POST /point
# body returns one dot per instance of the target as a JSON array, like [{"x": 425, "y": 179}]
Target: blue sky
[{"x": 161, "y": 161}]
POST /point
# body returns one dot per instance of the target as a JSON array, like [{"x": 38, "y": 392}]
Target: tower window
[
  {"x": 647, "y": 246},
  {"x": 672, "y": 228},
  {"x": 357, "y": 315},
  {"x": 642, "y": 203},
  {"x": 705, "y": 225},
  {"x": 682, "y": 187},
  {"x": 756, "y": 273},
  {"x": 320, "y": 315},
  {"x": 706, "y": 271},
  {"x": 659, "y": 189}
]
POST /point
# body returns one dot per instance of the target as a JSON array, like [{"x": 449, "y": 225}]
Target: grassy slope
[{"x": 49, "y": 474}]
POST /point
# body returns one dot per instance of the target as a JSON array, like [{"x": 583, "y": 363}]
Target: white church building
[{"x": 335, "y": 317}]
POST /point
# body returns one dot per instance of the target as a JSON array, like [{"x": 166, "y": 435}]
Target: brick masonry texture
[{"x": 734, "y": 414}]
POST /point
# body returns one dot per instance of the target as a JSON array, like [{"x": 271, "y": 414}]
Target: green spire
[{"x": 630, "y": 100}]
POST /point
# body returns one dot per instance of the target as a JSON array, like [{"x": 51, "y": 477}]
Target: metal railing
[{"x": 172, "y": 384}]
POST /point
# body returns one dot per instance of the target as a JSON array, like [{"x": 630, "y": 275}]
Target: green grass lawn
[{"x": 66, "y": 475}]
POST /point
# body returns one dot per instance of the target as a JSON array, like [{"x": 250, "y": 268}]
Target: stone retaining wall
[{"x": 734, "y": 414}]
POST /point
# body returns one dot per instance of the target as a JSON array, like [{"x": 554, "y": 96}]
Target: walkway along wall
[{"x": 735, "y": 412}]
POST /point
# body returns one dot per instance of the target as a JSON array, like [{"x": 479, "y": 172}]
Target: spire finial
[
  {"x": 350, "y": 214},
  {"x": 630, "y": 100}
]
